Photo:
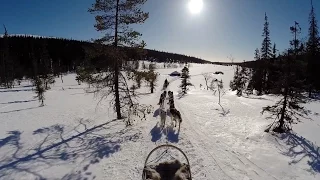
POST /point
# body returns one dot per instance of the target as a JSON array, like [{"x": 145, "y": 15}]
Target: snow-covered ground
[{"x": 73, "y": 138}]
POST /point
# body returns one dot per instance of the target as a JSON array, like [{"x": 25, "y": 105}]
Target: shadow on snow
[
  {"x": 14, "y": 102},
  {"x": 17, "y": 110},
  {"x": 156, "y": 133},
  {"x": 171, "y": 134},
  {"x": 15, "y": 90},
  {"x": 84, "y": 148},
  {"x": 301, "y": 148}
]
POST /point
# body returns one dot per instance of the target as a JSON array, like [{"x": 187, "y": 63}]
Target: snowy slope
[{"x": 73, "y": 138}]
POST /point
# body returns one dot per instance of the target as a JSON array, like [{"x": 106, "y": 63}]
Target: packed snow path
[{"x": 73, "y": 138}]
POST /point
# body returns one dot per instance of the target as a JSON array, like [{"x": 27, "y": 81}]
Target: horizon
[{"x": 172, "y": 27}]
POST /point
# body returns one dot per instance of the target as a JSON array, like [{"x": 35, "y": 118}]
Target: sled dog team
[{"x": 175, "y": 114}]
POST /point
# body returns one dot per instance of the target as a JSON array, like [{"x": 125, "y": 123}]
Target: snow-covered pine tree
[
  {"x": 185, "y": 80},
  {"x": 114, "y": 18},
  {"x": 313, "y": 53},
  {"x": 239, "y": 81}
]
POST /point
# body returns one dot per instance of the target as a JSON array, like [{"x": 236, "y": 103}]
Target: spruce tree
[
  {"x": 272, "y": 75},
  {"x": 256, "y": 80},
  {"x": 266, "y": 55},
  {"x": 185, "y": 80},
  {"x": 114, "y": 18},
  {"x": 83, "y": 75},
  {"x": 239, "y": 81},
  {"x": 36, "y": 78},
  {"x": 45, "y": 71},
  {"x": 266, "y": 50},
  {"x": 288, "y": 109},
  {"x": 313, "y": 53},
  {"x": 274, "y": 51},
  {"x": 39, "y": 90},
  {"x": 151, "y": 77}
]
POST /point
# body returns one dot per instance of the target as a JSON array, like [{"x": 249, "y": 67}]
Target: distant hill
[{"x": 67, "y": 54}]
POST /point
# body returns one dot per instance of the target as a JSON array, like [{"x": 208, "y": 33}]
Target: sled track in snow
[
  {"x": 241, "y": 165},
  {"x": 201, "y": 143},
  {"x": 190, "y": 144}
]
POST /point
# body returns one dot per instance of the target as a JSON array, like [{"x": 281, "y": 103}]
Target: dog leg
[{"x": 172, "y": 118}]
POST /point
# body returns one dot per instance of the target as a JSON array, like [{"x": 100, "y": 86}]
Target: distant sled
[{"x": 175, "y": 73}]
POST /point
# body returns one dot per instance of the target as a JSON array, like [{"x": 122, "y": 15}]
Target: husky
[
  {"x": 162, "y": 98},
  {"x": 170, "y": 97},
  {"x": 165, "y": 84},
  {"x": 163, "y": 116},
  {"x": 175, "y": 114}
]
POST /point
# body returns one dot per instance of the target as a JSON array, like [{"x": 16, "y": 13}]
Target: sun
[{"x": 195, "y": 6}]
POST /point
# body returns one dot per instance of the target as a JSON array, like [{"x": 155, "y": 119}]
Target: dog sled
[{"x": 168, "y": 163}]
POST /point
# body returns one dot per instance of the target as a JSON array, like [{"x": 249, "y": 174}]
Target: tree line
[
  {"x": 61, "y": 56},
  {"x": 292, "y": 74}
]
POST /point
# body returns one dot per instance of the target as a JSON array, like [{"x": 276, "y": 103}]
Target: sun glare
[{"x": 195, "y": 6}]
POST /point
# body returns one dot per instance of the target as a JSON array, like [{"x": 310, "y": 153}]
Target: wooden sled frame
[{"x": 165, "y": 146}]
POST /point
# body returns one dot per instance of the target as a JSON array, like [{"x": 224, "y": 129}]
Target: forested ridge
[{"x": 65, "y": 54}]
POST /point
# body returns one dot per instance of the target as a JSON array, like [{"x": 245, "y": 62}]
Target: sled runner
[{"x": 166, "y": 167}]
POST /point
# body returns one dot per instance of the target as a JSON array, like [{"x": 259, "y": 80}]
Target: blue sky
[{"x": 223, "y": 28}]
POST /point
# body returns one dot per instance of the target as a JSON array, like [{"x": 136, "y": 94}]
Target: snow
[{"x": 72, "y": 137}]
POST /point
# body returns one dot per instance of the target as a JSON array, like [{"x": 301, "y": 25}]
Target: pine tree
[
  {"x": 239, "y": 81},
  {"x": 274, "y": 51},
  {"x": 266, "y": 51},
  {"x": 151, "y": 78},
  {"x": 39, "y": 90},
  {"x": 114, "y": 18},
  {"x": 256, "y": 82},
  {"x": 313, "y": 52},
  {"x": 266, "y": 55},
  {"x": 288, "y": 109},
  {"x": 37, "y": 82},
  {"x": 295, "y": 42},
  {"x": 83, "y": 75},
  {"x": 45, "y": 71},
  {"x": 185, "y": 82},
  {"x": 272, "y": 75}
]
